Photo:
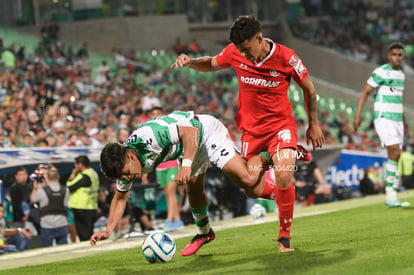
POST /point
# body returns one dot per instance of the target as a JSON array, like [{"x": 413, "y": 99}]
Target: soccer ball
[
  {"x": 158, "y": 247},
  {"x": 257, "y": 212}
]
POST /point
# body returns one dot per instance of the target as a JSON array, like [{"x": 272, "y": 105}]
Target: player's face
[
  {"x": 251, "y": 49},
  {"x": 155, "y": 113},
  {"x": 396, "y": 57},
  {"x": 132, "y": 168}
]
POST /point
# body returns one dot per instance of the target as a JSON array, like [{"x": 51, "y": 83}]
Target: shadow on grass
[{"x": 266, "y": 263}]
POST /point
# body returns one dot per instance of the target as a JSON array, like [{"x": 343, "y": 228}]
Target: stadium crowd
[
  {"x": 52, "y": 98},
  {"x": 49, "y": 97},
  {"x": 358, "y": 28}
]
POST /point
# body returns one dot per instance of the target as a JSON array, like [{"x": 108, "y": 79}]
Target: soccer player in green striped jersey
[
  {"x": 198, "y": 140},
  {"x": 389, "y": 119}
]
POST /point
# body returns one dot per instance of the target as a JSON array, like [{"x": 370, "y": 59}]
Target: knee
[
  {"x": 284, "y": 179},
  {"x": 248, "y": 181}
]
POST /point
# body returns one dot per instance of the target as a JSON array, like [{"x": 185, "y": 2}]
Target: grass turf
[{"x": 362, "y": 240}]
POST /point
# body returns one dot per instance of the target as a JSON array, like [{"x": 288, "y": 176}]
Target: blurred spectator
[
  {"x": 150, "y": 100},
  {"x": 73, "y": 141},
  {"x": 4, "y": 141},
  {"x": 13, "y": 239},
  {"x": 141, "y": 216},
  {"x": 27, "y": 140},
  {"x": 83, "y": 51},
  {"x": 405, "y": 168},
  {"x": 119, "y": 57},
  {"x": 94, "y": 134},
  {"x": 178, "y": 47},
  {"x": 103, "y": 205},
  {"x": 20, "y": 197},
  {"x": 8, "y": 57},
  {"x": 310, "y": 184},
  {"x": 44, "y": 32},
  {"x": 53, "y": 31},
  {"x": 20, "y": 55},
  {"x": 53, "y": 201},
  {"x": 371, "y": 183},
  {"x": 83, "y": 185},
  {"x": 73, "y": 235},
  {"x": 194, "y": 47},
  {"x": 1, "y": 45},
  {"x": 122, "y": 135}
]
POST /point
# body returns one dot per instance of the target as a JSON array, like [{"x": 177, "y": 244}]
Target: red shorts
[{"x": 282, "y": 138}]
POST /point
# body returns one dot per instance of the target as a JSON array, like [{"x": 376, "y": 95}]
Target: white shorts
[
  {"x": 390, "y": 132},
  {"x": 216, "y": 146}
]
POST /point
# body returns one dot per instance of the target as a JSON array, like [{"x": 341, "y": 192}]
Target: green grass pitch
[{"x": 368, "y": 239}]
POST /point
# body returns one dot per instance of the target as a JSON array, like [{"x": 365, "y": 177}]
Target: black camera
[{"x": 37, "y": 175}]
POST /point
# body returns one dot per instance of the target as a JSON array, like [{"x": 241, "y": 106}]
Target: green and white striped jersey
[
  {"x": 157, "y": 140},
  {"x": 388, "y": 101}
]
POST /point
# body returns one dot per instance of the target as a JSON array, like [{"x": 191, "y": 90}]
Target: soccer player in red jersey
[{"x": 264, "y": 70}]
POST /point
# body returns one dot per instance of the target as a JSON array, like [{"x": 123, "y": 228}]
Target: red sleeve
[
  {"x": 224, "y": 58},
  {"x": 298, "y": 69}
]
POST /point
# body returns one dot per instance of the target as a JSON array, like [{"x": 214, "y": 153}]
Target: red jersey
[{"x": 263, "y": 105}]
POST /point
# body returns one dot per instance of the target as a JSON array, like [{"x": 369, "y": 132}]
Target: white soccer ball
[
  {"x": 158, "y": 247},
  {"x": 258, "y": 212}
]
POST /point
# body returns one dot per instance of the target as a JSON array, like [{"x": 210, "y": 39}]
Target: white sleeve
[
  {"x": 371, "y": 82},
  {"x": 173, "y": 129}
]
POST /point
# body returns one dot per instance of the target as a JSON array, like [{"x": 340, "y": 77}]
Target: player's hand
[
  {"x": 182, "y": 61},
  {"x": 356, "y": 123},
  {"x": 183, "y": 175},
  {"x": 315, "y": 136},
  {"x": 75, "y": 171},
  {"x": 102, "y": 235}
]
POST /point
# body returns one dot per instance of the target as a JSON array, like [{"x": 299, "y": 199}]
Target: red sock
[
  {"x": 269, "y": 190},
  {"x": 285, "y": 199}
]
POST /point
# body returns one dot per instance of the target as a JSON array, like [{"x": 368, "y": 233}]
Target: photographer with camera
[{"x": 53, "y": 201}]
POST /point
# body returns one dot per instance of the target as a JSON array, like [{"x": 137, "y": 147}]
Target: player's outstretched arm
[
  {"x": 189, "y": 137},
  {"x": 115, "y": 213},
  {"x": 202, "y": 64},
  {"x": 366, "y": 91},
  {"x": 314, "y": 133}
]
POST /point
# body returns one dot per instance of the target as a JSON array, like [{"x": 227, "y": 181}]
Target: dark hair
[
  {"x": 84, "y": 160},
  {"x": 113, "y": 158},
  {"x": 156, "y": 108},
  {"x": 244, "y": 28},
  {"x": 395, "y": 45},
  {"x": 20, "y": 169}
]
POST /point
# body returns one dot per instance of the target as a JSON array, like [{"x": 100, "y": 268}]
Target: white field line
[{"x": 83, "y": 249}]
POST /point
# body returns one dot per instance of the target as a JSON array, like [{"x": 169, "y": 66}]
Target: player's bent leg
[
  {"x": 195, "y": 190},
  {"x": 250, "y": 176},
  {"x": 199, "y": 208}
]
